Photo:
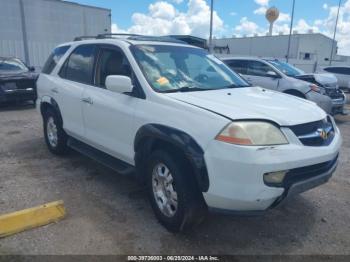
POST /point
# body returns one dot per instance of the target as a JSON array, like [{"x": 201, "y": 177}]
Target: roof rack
[
  {"x": 134, "y": 37},
  {"x": 84, "y": 37},
  {"x": 104, "y": 36}
]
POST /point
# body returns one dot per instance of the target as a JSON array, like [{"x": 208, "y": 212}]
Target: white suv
[{"x": 185, "y": 124}]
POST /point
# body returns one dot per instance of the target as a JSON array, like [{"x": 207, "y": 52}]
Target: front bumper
[
  {"x": 323, "y": 101},
  {"x": 17, "y": 95},
  {"x": 236, "y": 172},
  {"x": 338, "y": 105}
]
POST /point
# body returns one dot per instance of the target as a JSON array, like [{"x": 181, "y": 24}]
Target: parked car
[
  {"x": 262, "y": 73},
  {"x": 17, "y": 81},
  {"x": 327, "y": 83},
  {"x": 186, "y": 125},
  {"x": 342, "y": 73}
]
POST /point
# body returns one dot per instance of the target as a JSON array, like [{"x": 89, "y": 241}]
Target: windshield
[
  {"x": 12, "y": 65},
  {"x": 181, "y": 69},
  {"x": 286, "y": 68}
]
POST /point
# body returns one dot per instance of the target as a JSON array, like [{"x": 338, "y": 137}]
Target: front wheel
[
  {"x": 175, "y": 198},
  {"x": 55, "y": 137}
]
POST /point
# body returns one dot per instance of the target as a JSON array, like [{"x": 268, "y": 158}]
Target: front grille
[
  {"x": 319, "y": 133},
  {"x": 334, "y": 93},
  {"x": 303, "y": 173}
]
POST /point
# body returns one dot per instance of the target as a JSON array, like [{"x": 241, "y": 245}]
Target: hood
[
  {"x": 254, "y": 103},
  {"x": 297, "y": 83},
  {"x": 327, "y": 80}
]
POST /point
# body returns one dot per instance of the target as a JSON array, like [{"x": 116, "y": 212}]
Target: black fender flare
[
  {"x": 149, "y": 134},
  {"x": 54, "y": 105}
]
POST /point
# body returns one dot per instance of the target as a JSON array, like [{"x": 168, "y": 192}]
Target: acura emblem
[{"x": 323, "y": 133}]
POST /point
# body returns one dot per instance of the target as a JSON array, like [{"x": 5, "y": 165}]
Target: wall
[{"x": 47, "y": 24}]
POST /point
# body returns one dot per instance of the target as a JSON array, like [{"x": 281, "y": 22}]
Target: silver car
[
  {"x": 327, "y": 81},
  {"x": 263, "y": 73},
  {"x": 342, "y": 73}
]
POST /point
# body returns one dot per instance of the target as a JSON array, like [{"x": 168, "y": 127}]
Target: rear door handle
[
  {"x": 87, "y": 100},
  {"x": 54, "y": 90}
]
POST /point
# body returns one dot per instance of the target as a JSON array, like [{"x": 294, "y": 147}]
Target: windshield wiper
[
  {"x": 185, "y": 89},
  {"x": 235, "y": 86}
]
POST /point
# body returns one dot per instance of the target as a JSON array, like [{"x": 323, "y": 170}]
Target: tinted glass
[
  {"x": 239, "y": 66},
  {"x": 12, "y": 65},
  {"x": 54, "y": 58},
  {"x": 111, "y": 62},
  {"x": 338, "y": 70},
  {"x": 257, "y": 68},
  {"x": 79, "y": 66},
  {"x": 184, "y": 69}
]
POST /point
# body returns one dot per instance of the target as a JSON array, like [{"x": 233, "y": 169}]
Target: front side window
[
  {"x": 79, "y": 66},
  {"x": 177, "y": 68},
  {"x": 111, "y": 62},
  {"x": 12, "y": 66},
  {"x": 54, "y": 58},
  {"x": 257, "y": 68}
]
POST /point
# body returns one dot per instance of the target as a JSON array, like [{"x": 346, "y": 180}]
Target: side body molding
[{"x": 147, "y": 137}]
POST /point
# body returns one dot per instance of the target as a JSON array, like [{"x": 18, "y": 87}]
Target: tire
[
  {"x": 55, "y": 137},
  {"x": 190, "y": 208}
]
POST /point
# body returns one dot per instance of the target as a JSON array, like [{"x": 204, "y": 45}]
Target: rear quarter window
[
  {"x": 54, "y": 58},
  {"x": 239, "y": 66}
]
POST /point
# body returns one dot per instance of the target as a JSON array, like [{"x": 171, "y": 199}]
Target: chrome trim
[{"x": 316, "y": 134}]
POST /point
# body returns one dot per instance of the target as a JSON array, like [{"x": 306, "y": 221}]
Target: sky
[{"x": 231, "y": 17}]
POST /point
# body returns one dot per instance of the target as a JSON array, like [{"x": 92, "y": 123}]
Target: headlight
[
  {"x": 317, "y": 89},
  {"x": 252, "y": 133}
]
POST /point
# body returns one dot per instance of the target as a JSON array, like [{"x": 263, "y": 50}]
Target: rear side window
[
  {"x": 54, "y": 58},
  {"x": 80, "y": 64},
  {"x": 338, "y": 70},
  {"x": 239, "y": 66},
  {"x": 257, "y": 68}
]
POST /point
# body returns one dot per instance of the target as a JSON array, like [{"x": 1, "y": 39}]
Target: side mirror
[
  {"x": 119, "y": 84},
  {"x": 272, "y": 74}
]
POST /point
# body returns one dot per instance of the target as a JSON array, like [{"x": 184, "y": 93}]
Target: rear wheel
[
  {"x": 174, "y": 195},
  {"x": 55, "y": 137}
]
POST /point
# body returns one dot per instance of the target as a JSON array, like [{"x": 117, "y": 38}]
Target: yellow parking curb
[{"x": 30, "y": 218}]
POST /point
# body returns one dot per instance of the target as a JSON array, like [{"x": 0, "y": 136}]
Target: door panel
[
  {"x": 76, "y": 74},
  {"x": 108, "y": 116},
  {"x": 108, "y": 122},
  {"x": 265, "y": 82},
  {"x": 257, "y": 74},
  {"x": 68, "y": 97}
]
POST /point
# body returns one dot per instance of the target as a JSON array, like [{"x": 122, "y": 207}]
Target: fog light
[{"x": 275, "y": 177}]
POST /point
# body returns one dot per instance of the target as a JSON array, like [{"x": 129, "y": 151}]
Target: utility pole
[
  {"x": 211, "y": 27},
  {"x": 335, "y": 33},
  {"x": 290, "y": 31},
  {"x": 24, "y": 33}
]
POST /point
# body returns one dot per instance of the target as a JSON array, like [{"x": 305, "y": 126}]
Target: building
[
  {"x": 308, "y": 51},
  {"x": 30, "y": 29}
]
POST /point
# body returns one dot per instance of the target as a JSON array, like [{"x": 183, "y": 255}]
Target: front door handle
[{"x": 87, "y": 100}]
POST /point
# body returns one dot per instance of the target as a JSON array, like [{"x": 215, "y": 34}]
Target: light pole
[
  {"x": 211, "y": 27},
  {"x": 290, "y": 31},
  {"x": 335, "y": 33}
]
